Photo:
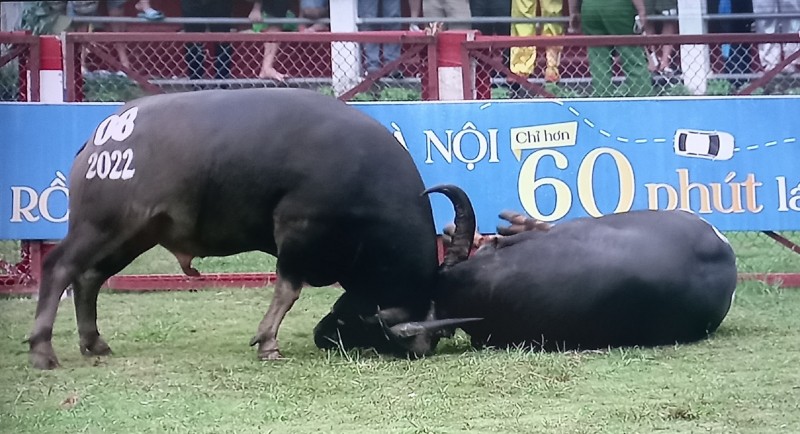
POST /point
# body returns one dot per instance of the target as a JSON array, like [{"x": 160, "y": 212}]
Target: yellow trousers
[{"x": 523, "y": 59}]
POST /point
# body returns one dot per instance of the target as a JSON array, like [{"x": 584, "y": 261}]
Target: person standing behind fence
[
  {"x": 737, "y": 56},
  {"x": 116, "y": 8},
  {"x": 272, "y": 9},
  {"x": 195, "y": 52},
  {"x": 459, "y": 9},
  {"x": 523, "y": 59},
  {"x": 314, "y": 10},
  {"x": 491, "y": 8},
  {"x": 372, "y": 52},
  {"x": 613, "y": 17},
  {"x": 662, "y": 62},
  {"x": 770, "y": 54}
]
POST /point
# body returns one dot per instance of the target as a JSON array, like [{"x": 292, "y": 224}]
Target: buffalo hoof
[
  {"x": 43, "y": 359},
  {"x": 97, "y": 348},
  {"x": 272, "y": 354},
  {"x": 267, "y": 348}
]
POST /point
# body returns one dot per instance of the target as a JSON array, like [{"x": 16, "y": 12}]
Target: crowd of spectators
[{"x": 590, "y": 17}]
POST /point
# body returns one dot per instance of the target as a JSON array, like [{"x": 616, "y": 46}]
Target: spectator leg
[
  {"x": 667, "y": 28},
  {"x": 372, "y": 52},
  {"x": 457, "y": 9},
  {"x": 790, "y": 25},
  {"x": 769, "y": 54},
  {"x": 223, "y": 50},
  {"x": 122, "y": 51},
  {"x": 634, "y": 63},
  {"x": 195, "y": 58},
  {"x": 552, "y": 8},
  {"x": 600, "y": 68},
  {"x": 268, "y": 61},
  {"x": 738, "y": 62},
  {"x": 391, "y": 8},
  {"x": 523, "y": 58},
  {"x": 222, "y": 60}
]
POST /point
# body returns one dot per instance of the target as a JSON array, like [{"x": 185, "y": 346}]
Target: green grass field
[{"x": 182, "y": 364}]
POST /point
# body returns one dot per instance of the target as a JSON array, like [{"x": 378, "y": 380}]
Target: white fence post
[
  {"x": 345, "y": 56},
  {"x": 695, "y": 59}
]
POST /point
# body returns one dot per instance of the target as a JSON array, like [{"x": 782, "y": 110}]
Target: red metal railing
[
  {"x": 158, "y": 61},
  {"x": 490, "y": 57},
  {"x": 23, "y": 49}
]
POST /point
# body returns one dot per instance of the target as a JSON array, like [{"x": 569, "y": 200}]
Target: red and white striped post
[
  {"x": 51, "y": 72},
  {"x": 450, "y": 64}
]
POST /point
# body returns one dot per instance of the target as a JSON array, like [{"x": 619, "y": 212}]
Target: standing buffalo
[
  {"x": 638, "y": 278},
  {"x": 301, "y": 176}
]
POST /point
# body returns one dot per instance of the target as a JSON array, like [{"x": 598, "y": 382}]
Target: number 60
[{"x": 563, "y": 194}]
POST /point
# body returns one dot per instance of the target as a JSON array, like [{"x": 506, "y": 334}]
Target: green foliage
[
  {"x": 326, "y": 90},
  {"x": 501, "y": 92},
  {"x": 363, "y": 96},
  {"x": 399, "y": 94},
  {"x": 677, "y": 90},
  {"x": 561, "y": 91},
  {"x": 160, "y": 261},
  {"x": 43, "y": 17},
  {"x": 718, "y": 87},
  {"x": 9, "y": 252},
  {"x": 108, "y": 87},
  {"x": 385, "y": 94},
  {"x": 9, "y": 82}
]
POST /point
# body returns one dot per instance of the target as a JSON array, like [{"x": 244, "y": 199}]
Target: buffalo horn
[
  {"x": 414, "y": 328},
  {"x": 465, "y": 224}
]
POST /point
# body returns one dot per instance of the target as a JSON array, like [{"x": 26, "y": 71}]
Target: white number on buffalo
[
  {"x": 111, "y": 165},
  {"x": 117, "y": 127}
]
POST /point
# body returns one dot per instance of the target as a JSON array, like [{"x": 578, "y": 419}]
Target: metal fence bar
[{"x": 98, "y": 19}]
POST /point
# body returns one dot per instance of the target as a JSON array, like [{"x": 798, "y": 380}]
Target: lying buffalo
[
  {"x": 292, "y": 173},
  {"x": 638, "y": 278}
]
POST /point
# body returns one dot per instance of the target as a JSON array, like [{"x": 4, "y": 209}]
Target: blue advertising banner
[{"x": 735, "y": 161}]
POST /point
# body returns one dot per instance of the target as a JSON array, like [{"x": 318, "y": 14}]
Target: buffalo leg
[
  {"x": 61, "y": 267},
  {"x": 87, "y": 287},
  {"x": 286, "y": 293},
  {"x": 56, "y": 275}
]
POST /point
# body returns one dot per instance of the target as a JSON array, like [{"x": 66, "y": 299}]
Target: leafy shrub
[
  {"x": 719, "y": 87},
  {"x": 399, "y": 94},
  {"x": 9, "y": 83},
  {"x": 677, "y": 90},
  {"x": 562, "y": 91},
  {"x": 363, "y": 96},
  {"x": 501, "y": 93},
  {"x": 386, "y": 94},
  {"x": 108, "y": 87},
  {"x": 326, "y": 90}
]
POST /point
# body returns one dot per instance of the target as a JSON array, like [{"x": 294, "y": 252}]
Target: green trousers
[{"x": 615, "y": 17}]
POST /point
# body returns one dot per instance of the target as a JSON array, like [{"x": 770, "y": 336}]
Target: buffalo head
[{"x": 355, "y": 322}]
